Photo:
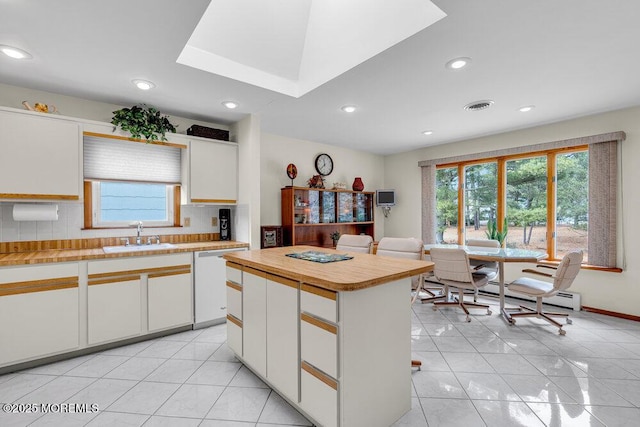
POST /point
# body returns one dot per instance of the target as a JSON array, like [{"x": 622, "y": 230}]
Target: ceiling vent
[{"x": 479, "y": 105}]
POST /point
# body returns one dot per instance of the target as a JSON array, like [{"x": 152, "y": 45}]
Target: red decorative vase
[{"x": 358, "y": 185}]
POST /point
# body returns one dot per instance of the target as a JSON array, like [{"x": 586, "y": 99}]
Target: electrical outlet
[
  {"x": 214, "y": 221},
  {"x": 187, "y": 222}
]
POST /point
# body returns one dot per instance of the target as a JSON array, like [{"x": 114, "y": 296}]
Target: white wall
[
  {"x": 278, "y": 151},
  {"x": 249, "y": 205},
  {"x": 12, "y": 96},
  {"x": 618, "y": 292}
]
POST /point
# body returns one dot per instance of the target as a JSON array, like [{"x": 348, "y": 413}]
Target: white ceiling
[{"x": 569, "y": 58}]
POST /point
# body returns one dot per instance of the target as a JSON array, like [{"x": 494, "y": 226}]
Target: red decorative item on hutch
[{"x": 358, "y": 185}]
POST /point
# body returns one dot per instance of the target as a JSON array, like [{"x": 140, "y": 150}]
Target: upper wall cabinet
[
  {"x": 40, "y": 157},
  {"x": 210, "y": 172}
]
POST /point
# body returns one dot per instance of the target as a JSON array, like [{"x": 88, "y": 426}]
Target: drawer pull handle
[
  {"x": 317, "y": 373},
  {"x": 333, "y": 329}
]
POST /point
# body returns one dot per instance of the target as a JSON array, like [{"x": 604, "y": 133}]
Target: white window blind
[{"x": 112, "y": 159}]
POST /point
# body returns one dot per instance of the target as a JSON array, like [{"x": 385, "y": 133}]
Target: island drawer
[
  {"x": 319, "y": 302},
  {"x": 234, "y": 272},
  {"x": 234, "y": 299},
  {"x": 319, "y": 395},
  {"x": 234, "y": 334},
  {"x": 319, "y": 343}
]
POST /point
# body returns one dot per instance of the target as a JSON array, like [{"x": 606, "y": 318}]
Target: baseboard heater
[{"x": 561, "y": 299}]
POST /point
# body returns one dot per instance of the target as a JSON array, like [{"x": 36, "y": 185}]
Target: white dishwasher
[{"x": 210, "y": 289}]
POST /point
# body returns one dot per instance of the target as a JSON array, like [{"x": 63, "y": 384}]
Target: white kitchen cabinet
[
  {"x": 113, "y": 309},
  {"x": 254, "y": 316},
  {"x": 170, "y": 297},
  {"x": 282, "y": 335},
  {"x": 38, "y": 311},
  {"x": 40, "y": 157},
  {"x": 267, "y": 313},
  {"x": 211, "y": 172},
  {"x": 132, "y": 296},
  {"x": 113, "y": 305}
]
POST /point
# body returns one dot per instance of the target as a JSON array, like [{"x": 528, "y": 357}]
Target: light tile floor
[{"x": 482, "y": 373}]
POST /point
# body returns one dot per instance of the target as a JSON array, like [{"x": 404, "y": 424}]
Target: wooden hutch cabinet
[{"x": 310, "y": 215}]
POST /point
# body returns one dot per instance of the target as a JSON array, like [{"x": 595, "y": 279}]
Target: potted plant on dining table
[{"x": 335, "y": 236}]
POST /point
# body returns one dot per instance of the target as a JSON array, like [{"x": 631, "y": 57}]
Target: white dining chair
[
  {"x": 355, "y": 243},
  {"x": 565, "y": 274},
  {"x": 451, "y": 268},
  {"x": 490, "y": 268}
]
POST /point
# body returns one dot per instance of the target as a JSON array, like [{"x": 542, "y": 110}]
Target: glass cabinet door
[
  {"x": 313, "y": 210},
  {"x": 363, "y": 207},
  {"x": 345, "y": 207},
  {"x": 328, "y": 206}
]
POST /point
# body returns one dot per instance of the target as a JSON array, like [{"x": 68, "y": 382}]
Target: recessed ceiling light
[
  {"x": 427, "y": 132},
  {"x": 143, "y": 84},
  {"x": 14, "y": 52},
  {"x": 348, "y": 108},
  {"x": 458, "y": 63},
  {"x": 526, "y": 108},
  {"x": 230, "y": 104},
  {"x": 479, "y": 105}
]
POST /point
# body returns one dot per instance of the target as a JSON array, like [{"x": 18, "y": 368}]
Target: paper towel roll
[{"x": 35, "y": 212}]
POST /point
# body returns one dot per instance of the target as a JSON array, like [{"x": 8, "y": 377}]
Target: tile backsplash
[{"x": 70, "y": 222}]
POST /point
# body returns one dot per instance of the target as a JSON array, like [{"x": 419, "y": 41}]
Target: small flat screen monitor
[{"x": 386, "y": 197}]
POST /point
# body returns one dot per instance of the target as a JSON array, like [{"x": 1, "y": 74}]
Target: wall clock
[{"x": 324, "y": 164}]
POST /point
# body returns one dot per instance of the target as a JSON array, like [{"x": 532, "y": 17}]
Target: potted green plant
[
  {"x": 494, "y": 234},
  {"x": 143, "y": 122},
  {"x": 335, "y": 236}
]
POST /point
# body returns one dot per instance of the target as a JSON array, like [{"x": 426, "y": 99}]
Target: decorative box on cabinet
[{"x": 310, "y": 215}]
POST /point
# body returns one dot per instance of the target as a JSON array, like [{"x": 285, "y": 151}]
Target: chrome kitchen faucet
[{"x": 138, "y": 225}]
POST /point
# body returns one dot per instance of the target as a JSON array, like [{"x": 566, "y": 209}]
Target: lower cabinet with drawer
[
  {"x": 234, "y": 307},
  {"x": 38, "y": 311},
  {"x": 133, "y": 296}
]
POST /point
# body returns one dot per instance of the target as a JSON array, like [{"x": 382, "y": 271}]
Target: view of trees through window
[
  {"x": 528, "y": 209},
  {"x": 480, "y": 198},
  {"x": 527, "y": 203}
]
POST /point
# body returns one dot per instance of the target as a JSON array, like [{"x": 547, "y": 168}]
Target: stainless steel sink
[{"x": 137, "y": 248}]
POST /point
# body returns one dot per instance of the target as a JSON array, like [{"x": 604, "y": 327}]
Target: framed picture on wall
[{"x": 271, "y": 236}]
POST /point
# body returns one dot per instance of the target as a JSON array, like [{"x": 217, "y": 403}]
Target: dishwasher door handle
[{"x": 209, "y": 254}]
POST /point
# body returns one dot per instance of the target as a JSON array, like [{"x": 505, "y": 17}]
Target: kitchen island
[{"x": 331, "y": 338}]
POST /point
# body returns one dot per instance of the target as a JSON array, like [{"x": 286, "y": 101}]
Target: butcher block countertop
[
  {"x": 361, "y": 272},
  {"x": 68, "y": 255}
]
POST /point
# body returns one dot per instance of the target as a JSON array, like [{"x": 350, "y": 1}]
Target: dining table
[{"x": 499, "y": 255}]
